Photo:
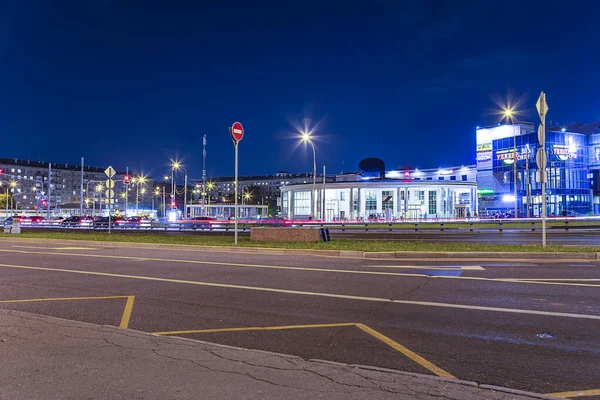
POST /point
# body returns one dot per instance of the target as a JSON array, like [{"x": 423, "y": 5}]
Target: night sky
[{"x": 137, "y": 82}]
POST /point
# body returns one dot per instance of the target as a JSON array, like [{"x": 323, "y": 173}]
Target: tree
[{"x": 3, "y": 201}]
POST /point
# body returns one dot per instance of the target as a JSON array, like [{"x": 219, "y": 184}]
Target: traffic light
[
  {"x": 1, "y": 171},
  {"x": 127, "y": 179},
  {"x": 44, "y": 203}
]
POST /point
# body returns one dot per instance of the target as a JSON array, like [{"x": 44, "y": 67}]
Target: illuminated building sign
[
  {"x": 485, "y": 191},
  {"x": 563, "y": 153}
]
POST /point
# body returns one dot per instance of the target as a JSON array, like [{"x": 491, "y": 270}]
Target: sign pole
[
  {"x": 542, "y": 158},
  {"x": 236, "y": 191},
  {"x": 237, "y": 133}
]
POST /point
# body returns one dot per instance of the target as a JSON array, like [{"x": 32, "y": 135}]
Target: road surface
[{"x": 522, "y": 324}]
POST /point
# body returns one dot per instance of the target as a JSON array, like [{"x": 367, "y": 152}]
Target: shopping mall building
[
  {"x": 386, "y": 195},
  {"x": 508, "y": 151}
]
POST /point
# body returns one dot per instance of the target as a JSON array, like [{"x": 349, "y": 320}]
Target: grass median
[{"x": 244, "y": 241}]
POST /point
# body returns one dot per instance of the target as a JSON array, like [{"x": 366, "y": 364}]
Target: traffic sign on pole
[
  {"x": 237, "y": 131},
  {"x": 110, "y": 183},
  {"x": 542, "y": 106},
  {"x": 110, "y": 172},
  {"x": 541, "y": 158}
]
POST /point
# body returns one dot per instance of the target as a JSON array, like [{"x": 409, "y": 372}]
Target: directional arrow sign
[
  {"x": 541, "y": 158},
  {"x": 110, "y": 172}
]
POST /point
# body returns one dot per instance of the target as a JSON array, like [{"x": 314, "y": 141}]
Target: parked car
[{"x": 201, "y": 222}]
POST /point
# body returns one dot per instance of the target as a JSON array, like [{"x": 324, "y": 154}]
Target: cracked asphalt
[{"x": 489, "y": 324}]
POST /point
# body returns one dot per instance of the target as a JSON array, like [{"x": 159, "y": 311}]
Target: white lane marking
[
  {"x": 209, "y": 263},
  {"x": 55, "y": 248},
  {"x": 440, "y": 267},
  {"x": 319, "y": 294}
]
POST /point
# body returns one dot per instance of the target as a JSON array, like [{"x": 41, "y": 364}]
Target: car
[
  {"x": 74, "y": 220},
  {"x": 136, "y": 222},
  {"x": 200, "y": 222},
  {"x": 33, "y": 220},
  {"x": 15, "y": 218}
]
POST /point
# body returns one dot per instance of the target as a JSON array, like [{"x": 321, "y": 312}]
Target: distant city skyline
[{"x": 132, "y": 83}]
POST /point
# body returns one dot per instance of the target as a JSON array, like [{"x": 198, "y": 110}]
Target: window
[
  {"x": 452, "y": 178},
  {"x": 421, "y": 195},
  {"x": 432, "y": 202},
  {"x": 284, "y": 202},
  {"x": 370, "y": 200},
  {"x": 441, "y": 178},
  {"x": 387, "y": 200},
  {"x": 464, "y": 178},
  {"x": 429, "y": 178},
  {"x": 402, "y": 195},
  {"x": 302, "y": 202},
  {"x": 342, "y": 196}
]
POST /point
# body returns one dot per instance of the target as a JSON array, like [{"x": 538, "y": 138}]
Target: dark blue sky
[{"x": 136, "y": 82}]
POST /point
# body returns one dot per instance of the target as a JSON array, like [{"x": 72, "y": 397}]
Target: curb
[{"x": 424, "y": 255}]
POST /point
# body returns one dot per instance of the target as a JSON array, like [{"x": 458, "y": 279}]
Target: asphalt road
[{"x": 521, "y": 324}]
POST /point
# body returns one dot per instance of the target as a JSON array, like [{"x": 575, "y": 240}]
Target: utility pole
[
  {"x": 164, "y": 202},
  {"x": 203, "y": 174},
  {"x": 49, "y": 190},
  {"x": 126, "y": 186},
  {"x": 81, "y": 191},
  {"x": 323, "y": 216}
]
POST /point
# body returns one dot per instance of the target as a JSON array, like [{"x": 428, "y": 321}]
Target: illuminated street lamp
[
  {"x": 176, "y": 165},
  {"x": 509, "y": 114},
  {"x": 306, "y": 138}
]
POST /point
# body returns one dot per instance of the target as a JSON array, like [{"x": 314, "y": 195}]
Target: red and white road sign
[{"x": 237, "y": 131}]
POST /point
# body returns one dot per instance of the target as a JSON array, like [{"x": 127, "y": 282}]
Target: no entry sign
[{"x": 237, "y": 131}]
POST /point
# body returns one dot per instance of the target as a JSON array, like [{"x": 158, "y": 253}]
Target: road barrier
[{"x": 343, "y": 227}]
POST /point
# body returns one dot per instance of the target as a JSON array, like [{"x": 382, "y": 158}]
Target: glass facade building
[{"x": 571, "y": 168}]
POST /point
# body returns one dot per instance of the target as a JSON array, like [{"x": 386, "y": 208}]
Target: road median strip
[{"x": 336, "y": 248}]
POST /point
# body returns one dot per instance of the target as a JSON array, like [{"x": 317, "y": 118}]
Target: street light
[
  {"x": 176, "y": 165},
  {"x": 306, "y": 138},
  {"x": 509, "y": 114}
]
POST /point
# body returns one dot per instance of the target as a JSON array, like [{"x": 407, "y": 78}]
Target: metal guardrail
[{"x": 377, "y": 227}]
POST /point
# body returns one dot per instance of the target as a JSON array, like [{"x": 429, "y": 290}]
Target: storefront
[{"x": 380, "y": 199}]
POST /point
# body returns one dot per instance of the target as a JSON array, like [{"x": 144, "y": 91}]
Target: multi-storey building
[
  {"x": 507, "y": 169},
  {"x": 34, "y": 186}
]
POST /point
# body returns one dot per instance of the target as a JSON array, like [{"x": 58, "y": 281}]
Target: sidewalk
[{"x": 49, "y": 358}]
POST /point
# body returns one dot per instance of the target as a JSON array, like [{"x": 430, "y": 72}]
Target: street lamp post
[
  {"x": 307, "y": 139},
  {"x": 509, "y": 114},
  {"x": 176, "y": 166}
]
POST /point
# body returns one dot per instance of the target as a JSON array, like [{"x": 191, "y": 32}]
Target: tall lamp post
[
  {"x": 509, "y": 114},
  {"x": 177, "y": 166},
  {"x": 306, "y": 138}
]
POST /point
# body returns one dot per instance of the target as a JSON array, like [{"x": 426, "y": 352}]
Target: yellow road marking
[
  {"x": 408, "y": 353},
  {"x": 393, "y": 344},
  {"x": 124, "y": 318},
  {"x": 63, "y": 299},
  {"x": 446, "y": 268},
  {"x": 344, "y": 271},
  {"x": 305, "y": 293},
  {"x": 575, "y": 393},
  {"x": 255, "y": 328},
  {"x": 127, "y": 312}
]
